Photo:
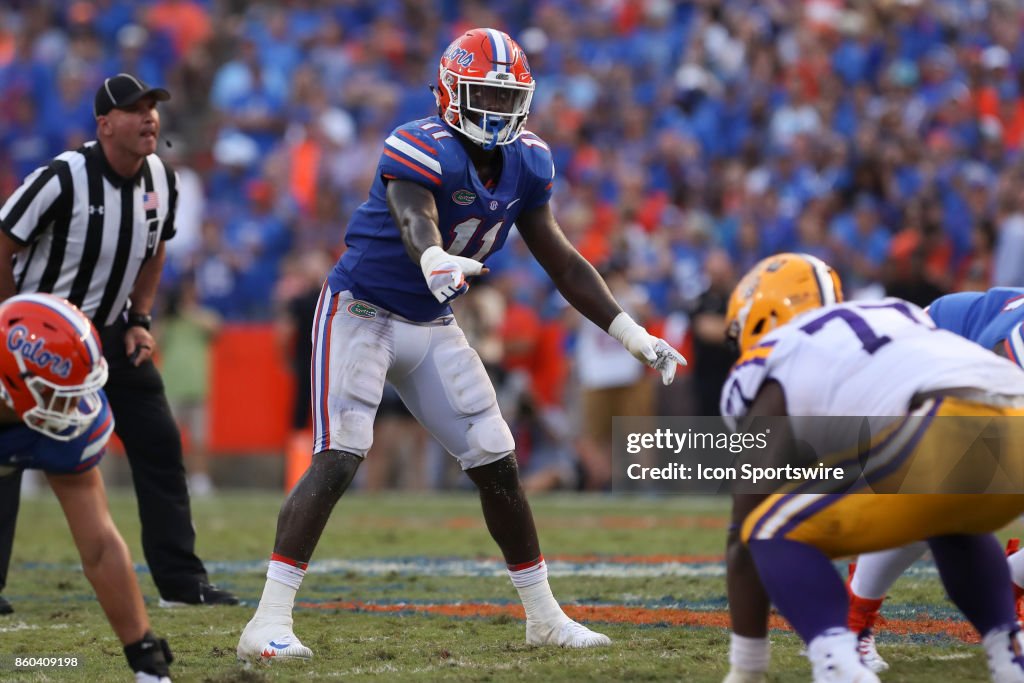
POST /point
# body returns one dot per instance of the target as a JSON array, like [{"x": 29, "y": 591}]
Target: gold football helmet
[{"x": 775, "y": 291}]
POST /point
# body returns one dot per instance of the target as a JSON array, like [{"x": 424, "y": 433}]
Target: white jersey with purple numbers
[
  {"x": 863, "y": 359},
  {"x": 474, "y": 220}
]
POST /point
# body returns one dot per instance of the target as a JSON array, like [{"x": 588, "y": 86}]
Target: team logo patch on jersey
[
  {"x": 361, "y": 310},
  {"x": 463, "y": 197},
  {"x": 494, "y": 205}
]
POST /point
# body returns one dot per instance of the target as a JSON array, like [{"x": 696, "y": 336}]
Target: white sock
[
  {"x": 531, "y": 581},
  {"x": 1016, "y": 562},
  {"x": 877, "y": 572},
  {"x": 286, "y": 571},
  {"x": 283, "y": 581},
  {"x": 749, "y": 654}
]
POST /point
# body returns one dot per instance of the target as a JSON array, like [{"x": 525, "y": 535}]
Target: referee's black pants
[{"x": 145, "y": 425}]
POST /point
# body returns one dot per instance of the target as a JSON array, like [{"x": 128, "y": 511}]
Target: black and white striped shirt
[{"x": 86, "y": 231}]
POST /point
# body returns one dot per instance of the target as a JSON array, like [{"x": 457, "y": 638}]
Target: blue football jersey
[
  {"x": 987, "y": 318},
  {"x": 474, "y": 220},
  {"x": 26, "y": 448}
]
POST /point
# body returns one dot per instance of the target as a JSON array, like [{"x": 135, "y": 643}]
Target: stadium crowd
[{"x": 691, "y": 139}]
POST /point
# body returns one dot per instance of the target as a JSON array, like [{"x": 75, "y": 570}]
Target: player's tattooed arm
[{"x": 415, "y": 211}]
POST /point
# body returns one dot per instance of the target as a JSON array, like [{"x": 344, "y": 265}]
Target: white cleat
[
  {"x": 564, "y": 634},
  {"x": 834, "y": 659},
  {"x": 869, "y": 653},
  {"x": 264, "y": 642},
  {"x": 1005, "y": 656},
  {"x": 743, "y": 676}
]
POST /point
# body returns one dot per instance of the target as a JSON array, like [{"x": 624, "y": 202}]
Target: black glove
[{"x": 150, "y": 655}]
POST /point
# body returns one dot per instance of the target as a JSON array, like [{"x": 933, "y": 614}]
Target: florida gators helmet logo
[{"x": 35, "y": 352}]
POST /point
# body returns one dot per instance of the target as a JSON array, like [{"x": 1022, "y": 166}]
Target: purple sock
[
  {"x": 977, "y": 579},
  {"x": 802, "y": 584}
]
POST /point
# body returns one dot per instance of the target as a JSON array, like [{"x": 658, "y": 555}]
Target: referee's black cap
[{"x": 124, "y": 90}]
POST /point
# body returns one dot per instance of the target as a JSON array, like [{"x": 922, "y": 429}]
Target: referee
[{"x": 90, "y": 227}]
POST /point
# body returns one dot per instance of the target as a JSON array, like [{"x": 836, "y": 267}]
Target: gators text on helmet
[{"x": 51, "y": 366}]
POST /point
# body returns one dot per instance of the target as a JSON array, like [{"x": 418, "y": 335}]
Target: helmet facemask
[
  {"x": 63, "y": 412},
  {"x": 490, "y": 111}
]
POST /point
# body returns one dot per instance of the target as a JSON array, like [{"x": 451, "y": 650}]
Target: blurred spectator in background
[
  {"x": 186, "y": 333},
  {"x": 612, "y": 383},
  {"x": 216, "y": 271},
  {"x": 297, "y": 294},
  {"x": 295, "y": 297},
  {"x": 862, "y": 245},
  {"x": 918, "y": 265},
  {"x": 256, "y": 237},
  {"x": 189, "y": 218},
  {"x": 1008, "y": 258},
  {"x": 712, "y": 358}
]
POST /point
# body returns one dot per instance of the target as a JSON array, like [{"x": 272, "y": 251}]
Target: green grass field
[{"x": 409, "y": 587}]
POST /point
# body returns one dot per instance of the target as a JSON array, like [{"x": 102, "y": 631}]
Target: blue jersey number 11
[{"x": 466, "y": 239}]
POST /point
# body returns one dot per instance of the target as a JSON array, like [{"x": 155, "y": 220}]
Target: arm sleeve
[
  {"x": 410, "y": 155},
  {"x": 30, "y": 209}
]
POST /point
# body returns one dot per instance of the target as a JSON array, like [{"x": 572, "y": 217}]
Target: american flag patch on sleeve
[{"x": 150, "y": 201}]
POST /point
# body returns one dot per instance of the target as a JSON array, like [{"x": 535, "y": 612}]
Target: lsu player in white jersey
[{"x": 806, "y": 353}]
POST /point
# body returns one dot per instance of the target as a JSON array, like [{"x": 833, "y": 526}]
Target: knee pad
[
  {"x": 490, "y": 439},
  {"x": 353, "y": 432}
]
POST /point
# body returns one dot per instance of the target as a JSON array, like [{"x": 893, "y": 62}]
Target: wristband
[
  {"x": 624, "y": 327},
  {"x": 143, "y": 320},
  {"x": 430, "y": 257}
]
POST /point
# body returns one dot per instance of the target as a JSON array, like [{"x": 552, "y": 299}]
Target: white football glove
[
  {"x": 446, "y": 274},
  {"x": 646, "y": 348}
]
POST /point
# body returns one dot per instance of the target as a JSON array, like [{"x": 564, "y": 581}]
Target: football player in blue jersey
[
  {"x": 995, "y": 320},
  {"x": 447, "y": 191},
  {"x": 54, "y": 417}
]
